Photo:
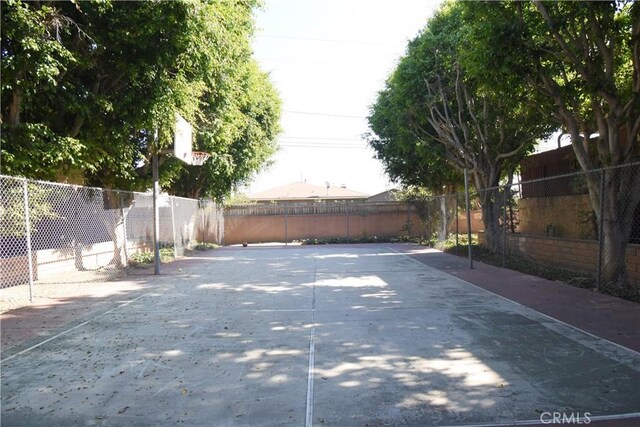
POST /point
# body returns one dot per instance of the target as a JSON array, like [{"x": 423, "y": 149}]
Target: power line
[
  {"x": 318, "y": 144},
  {"x": 323, "y": 114},
  {"x": 320, "y": 138},
  {"x": 332, "y": 64},
  {"x": 341, "y": 147},
  {"x": 363, "y": 42}
]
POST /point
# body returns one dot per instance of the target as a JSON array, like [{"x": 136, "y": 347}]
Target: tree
[
  {"x": 239, "y": 130},
  {"x": 585, "y": 58},
  {"x": 475, "y": 128},
  {"x": 33, "y": 63},
  {"x": 85, "y": 84},
  {"x": 407, "y": 159}
]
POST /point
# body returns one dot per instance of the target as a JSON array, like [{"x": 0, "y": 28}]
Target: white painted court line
[
  {"x": 26, "y": 350},
  {"x": 312, "y": 356},
  {"x": 309, "y": 414},
  {"x": 524, "y": 306},
  {"x": 592, "y": 418},
  {"x": 533, "y": 422}
]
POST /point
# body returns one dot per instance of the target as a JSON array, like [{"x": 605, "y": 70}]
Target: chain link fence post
[
  {"x": 468, "y": 208},
  {"x": 123, "y": 214},
  {"x": 429, "y": 233},
  {"x": 172, "y": 200},
  {"x": 204, "y": 232},
  {"x": 286, "y": 225},
  {"x": 27, "y": 225},
  {"x": 505, "y": 199},
  {"x": 600, "y": 233},
  {"x": 457, "y": 223},
  {"x": 347, "y": 212}
]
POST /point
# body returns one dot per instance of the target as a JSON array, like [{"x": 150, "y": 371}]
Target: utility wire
[
  {"x": 323, "y": 147},
  {"x": 323, "y": 114},
  {"x": 303, "y": 144},
  {"x": 349, "y": 65},
  {"x": 363, "y": 42},
  {"x": 320, "y": 138}
]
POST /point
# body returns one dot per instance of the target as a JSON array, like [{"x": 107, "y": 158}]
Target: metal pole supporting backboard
[{"x": 156, "y": 218}]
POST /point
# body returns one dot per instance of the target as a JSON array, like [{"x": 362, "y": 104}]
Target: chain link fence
[
  {"x": 585, "y": 222},
  {"x": 54, "y": 234}
]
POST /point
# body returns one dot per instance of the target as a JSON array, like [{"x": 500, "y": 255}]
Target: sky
[{"x": 328, "y": 59}]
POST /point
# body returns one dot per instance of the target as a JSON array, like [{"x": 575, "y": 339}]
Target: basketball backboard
[{"x": 183, "y": 140}]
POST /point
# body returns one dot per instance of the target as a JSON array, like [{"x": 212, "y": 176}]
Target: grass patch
[
  {"x": 143, "y": 259},
  {"x": 199, "y": 246},
  {"x": 361, "y": 239}
]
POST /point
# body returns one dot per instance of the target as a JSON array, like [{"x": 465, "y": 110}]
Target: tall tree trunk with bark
[{"x": 617, "y": 214}]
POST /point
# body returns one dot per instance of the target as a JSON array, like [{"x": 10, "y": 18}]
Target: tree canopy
[
  {"x": 85, "y": 84},
  {"x": 434, "y": 119},
  {"x": 584, "y": 57}
]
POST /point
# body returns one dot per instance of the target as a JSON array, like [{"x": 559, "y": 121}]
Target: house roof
[
  {"x": 303, "y": 191},
  {"x": 385, "y": 196}
]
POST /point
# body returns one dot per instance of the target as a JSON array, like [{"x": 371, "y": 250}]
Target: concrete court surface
[{"x": 336, "y": 336}]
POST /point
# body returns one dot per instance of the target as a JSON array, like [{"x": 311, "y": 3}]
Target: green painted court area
[{"x": 336, "y": 335}]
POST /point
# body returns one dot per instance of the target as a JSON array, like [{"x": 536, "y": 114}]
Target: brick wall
[
  {"x": 570, "y": 254},
  {"x": 272, "y": 228},
  {"x": 569, "y": 216}
]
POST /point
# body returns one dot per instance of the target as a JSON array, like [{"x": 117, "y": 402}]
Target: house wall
[{"x": 570, "y": 254}]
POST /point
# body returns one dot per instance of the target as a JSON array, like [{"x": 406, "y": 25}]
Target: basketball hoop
[{"x": 199, "y": 157}]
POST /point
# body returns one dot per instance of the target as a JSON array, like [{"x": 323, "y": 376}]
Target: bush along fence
[{"x": 57, "y": 233}]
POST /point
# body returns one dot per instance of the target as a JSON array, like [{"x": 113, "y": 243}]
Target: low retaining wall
[
  {"x": 15, "y": 270},
  {"x": 49, "y": 263},
  {"x": 570, "y": 254}
]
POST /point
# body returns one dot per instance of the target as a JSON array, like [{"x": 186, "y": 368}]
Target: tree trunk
[
  {"x": 117, "y": 237},
  {"x": 443, "y": 230},
  {"x": 620, "y": 204},
  {"x": 120, "y": 204},
  {"x": 490, "y": 200},
  {"x": 15, "y": 108}
]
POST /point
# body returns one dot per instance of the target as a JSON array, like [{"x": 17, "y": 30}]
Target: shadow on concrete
[{"x": 226, "y": 339}]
